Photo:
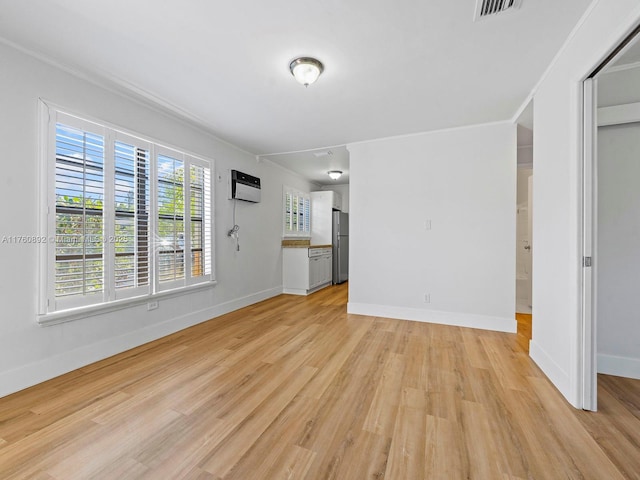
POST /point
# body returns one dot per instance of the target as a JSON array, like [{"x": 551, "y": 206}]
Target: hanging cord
[{"x": 234, "y": 232}]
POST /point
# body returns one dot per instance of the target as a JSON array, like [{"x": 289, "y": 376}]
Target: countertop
[
  {"x": 302, "y": 244},
  {"x": 307, "y": 246}
]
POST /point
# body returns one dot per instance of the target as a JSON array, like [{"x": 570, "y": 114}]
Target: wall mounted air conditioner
[{"x": 244, "y": 187}]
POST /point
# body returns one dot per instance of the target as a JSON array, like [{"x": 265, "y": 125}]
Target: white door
[{"x": 524, "y": 245}]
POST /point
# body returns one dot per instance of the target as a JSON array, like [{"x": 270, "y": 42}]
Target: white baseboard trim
[
  {"x": 294, "y": 291},
  {"x": 484, "y": 322},
  {"x": 553, "y": 371},
  {"x": 37, "y": 372},
  {"x": 619, "y": 366}
]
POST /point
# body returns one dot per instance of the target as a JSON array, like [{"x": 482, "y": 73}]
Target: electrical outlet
[
  {"x": 427, "y": 224},
  {"x": 152, "y": 305},
  {"x": 427, "y": 298}
]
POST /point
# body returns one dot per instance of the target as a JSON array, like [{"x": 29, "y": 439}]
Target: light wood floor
[
  {"x": 295, "y": 388},
  {"x": 525, "y": 326}
]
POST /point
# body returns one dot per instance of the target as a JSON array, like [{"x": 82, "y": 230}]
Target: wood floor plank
[
  {"x": 382, "y": 412},
  {"x": 40, "y": 476},
  {"x": 480, "y": 446},
  {"x": 269, "y": 453},
  {"x": 192, "y": 443},
  {"x": 343, "y": 407},
  {"x": 590, "y": 456},
  {"x": 336, "y": 351},
  {"x": 511, "y": 454},
  {"x": 368, "y": 457},
  {"x": 503, "y": 363},
  {"x": 112, "y": 445},
  {"x": 247, "y": 396},
  {"x": 408, "y": 446},
  {"x": 47, "y": 445},
  {"x": 559, "y": 450},
  {"x": 442, "y": 458},
  {"x": 299, "y": 342},
  {"x": 296, "y": 464},
  {"x": 222, "y": 459},
  {"x": 524, "y": 333},
  {"x": 624, "y": 393},
  {"x": 474, "y": 348},
  {"x": 621, "y": 444},
  {"x": 127, "y": 469},
  {"x": 294, "y": 387}
]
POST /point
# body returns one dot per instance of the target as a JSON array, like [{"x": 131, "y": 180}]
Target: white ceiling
[
  {"x": 391, "y": 68},
  {"x": 315, "y": 164}
]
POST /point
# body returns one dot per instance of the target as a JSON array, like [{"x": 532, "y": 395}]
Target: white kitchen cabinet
[
  {"x": 322, "y": 206},
  {"x": 305, "y": 270},
  {"x": 336, "y": 201},
  {"x": 315, "y": 272}
]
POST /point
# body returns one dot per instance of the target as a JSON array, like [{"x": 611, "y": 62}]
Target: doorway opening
[
  {"x": 611, "y": 219},
  {"x": 524, "y": 225}
]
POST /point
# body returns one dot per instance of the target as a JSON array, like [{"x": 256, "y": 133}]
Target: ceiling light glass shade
[
  {"x": 334, "y": 174},
  {"x": 306, "y": 70}
]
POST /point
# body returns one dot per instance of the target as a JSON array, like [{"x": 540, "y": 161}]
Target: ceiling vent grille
[
  {"x": 323, "y": 153},
  {"x": 486, "y": 8}
]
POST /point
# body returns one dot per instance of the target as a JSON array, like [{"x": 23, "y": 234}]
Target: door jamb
[{"x": 588, "y": 368}]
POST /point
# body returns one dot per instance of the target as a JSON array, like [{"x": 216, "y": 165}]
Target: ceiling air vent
[
  {"x": 323, "y": 153},
  {"x": 485, "y": 8}
]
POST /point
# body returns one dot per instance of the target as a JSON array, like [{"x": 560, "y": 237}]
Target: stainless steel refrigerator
[{"x": 340, "y": 247}]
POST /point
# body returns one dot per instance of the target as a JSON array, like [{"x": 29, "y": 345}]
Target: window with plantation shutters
[
  {"x": 200, "y": 227},
  {"x": 297, "y": 213},
  {"x": 125, "y": 218},
  {"x": 184, "y": 228},
  {"x": 79, "y": 219},
  {"x": 171, "y": 221},
  {"x": 131, "y": 239}
]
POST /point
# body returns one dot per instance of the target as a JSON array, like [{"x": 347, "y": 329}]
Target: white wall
[
  {"x": 30, "y": 353},
  {"x": 525, "y": 157},
  {"x": 618, "y": 255},
  {"x": 619, "y": 87},
  {"x": 464, "y": 182},
  {"x": 556, "y": 192}
]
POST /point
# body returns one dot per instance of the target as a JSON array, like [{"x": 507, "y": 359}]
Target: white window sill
[{"x": 73, "y": 314}]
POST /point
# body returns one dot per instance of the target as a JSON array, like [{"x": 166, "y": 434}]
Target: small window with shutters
[
  {"x": 130, "y": 218},
  {"x": 78, "y": 276},
  {"x": 297, "y": 213},
  {"x": 131, "y": 239}
]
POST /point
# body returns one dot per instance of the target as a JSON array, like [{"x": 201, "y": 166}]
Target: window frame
[{"x": 52, "y": 309}]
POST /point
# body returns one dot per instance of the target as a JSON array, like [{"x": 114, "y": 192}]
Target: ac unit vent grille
[{"x": 485, "y": 8}]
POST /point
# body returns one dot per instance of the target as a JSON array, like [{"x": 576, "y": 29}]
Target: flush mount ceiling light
[
  {"x": 334, "y": 174},
  {"x": 306, "y": 70}
]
